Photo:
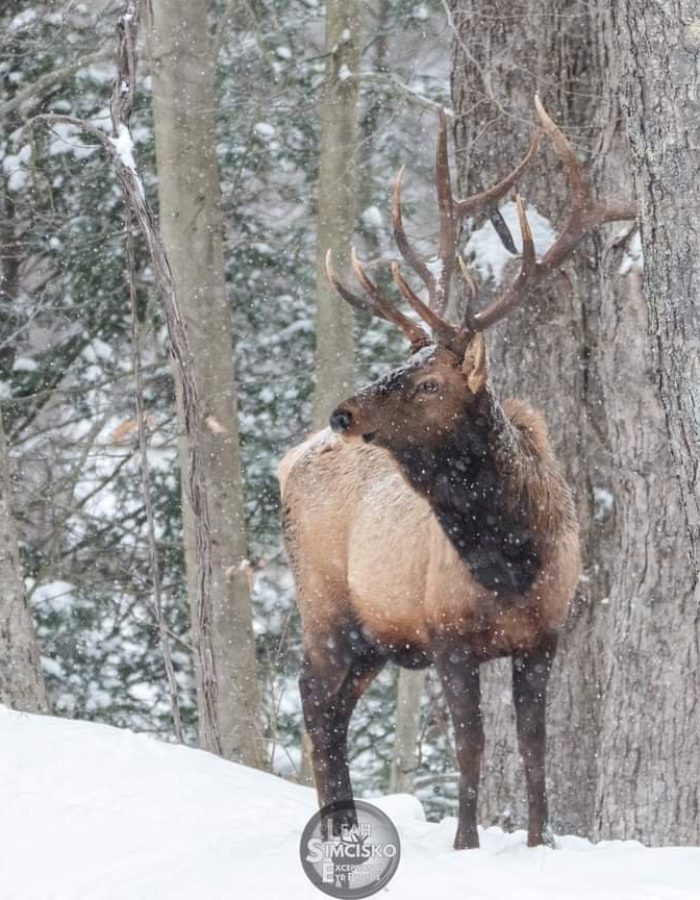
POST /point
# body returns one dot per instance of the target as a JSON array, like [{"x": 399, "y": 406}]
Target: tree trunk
[
  {"x": 543, "y": 355},
  {"x": 337, "y": 207},
  {"x": 335, "y": 222},
  {"x": 191, "y": 223},
  {"x": 581, "y": 353},
  {"x": 404, "y": 760},
  {"x": 649, "y": 781},
  {"x": 21, "y": 681},
  {"x": 410, "y": 683}
]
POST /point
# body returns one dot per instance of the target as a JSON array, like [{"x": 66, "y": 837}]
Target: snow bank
[{"x": 91, "y": 812}]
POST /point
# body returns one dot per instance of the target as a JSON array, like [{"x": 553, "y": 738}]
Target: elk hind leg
[{"x": 530, "y": 677}]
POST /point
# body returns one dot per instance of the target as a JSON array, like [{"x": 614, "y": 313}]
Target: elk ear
[{"x": 474, "y": 363}]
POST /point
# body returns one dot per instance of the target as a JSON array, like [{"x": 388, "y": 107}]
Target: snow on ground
[{"x": 92, "y": 812}]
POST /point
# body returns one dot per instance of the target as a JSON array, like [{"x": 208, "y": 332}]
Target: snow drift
[{"x": 92, "y": 812}]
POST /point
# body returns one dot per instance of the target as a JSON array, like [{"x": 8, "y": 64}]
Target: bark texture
[
  {"x": 623, "y": 708},
  {"x": 649, "y": 783},
  {"x": 545, "y": 355},
  {"x": 21, "y": 682},
  {"x": 404, "y": 762},
  {"x": 183, "y": 72},
  {"x": 337, "y": 204}
]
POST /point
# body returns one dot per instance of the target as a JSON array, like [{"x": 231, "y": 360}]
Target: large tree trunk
[
  {"x": 337, "y": 205},
  {"x": 649, "y": 781},
  {"x": 545, "y": 355},
  {"x": 21, "y": 682},
  {"x": 183, "y": 69},
  {"x": 581, "y": 353}
]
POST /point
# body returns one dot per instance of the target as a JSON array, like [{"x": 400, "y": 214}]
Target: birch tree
[{"x": 184, "y": 97}]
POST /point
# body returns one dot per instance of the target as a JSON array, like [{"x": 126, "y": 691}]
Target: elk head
[
  {"x": 419, "y": 403},
  {"x": 446, "y": 375}
]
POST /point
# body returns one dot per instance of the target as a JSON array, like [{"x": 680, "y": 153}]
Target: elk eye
[{"x": 429, "y": 387}]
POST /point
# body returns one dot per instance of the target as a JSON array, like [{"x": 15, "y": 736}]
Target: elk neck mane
[{"x": 495, "y": 489}]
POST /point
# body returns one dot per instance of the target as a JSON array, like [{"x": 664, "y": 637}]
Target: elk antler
[
  {"x": 437, "y": 278},
  {"x": 376, "y": 305},
  {"x": 586, "y": 214}
]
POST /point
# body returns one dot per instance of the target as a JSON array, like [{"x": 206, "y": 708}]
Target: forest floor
[{"x": 91, "y": 812}]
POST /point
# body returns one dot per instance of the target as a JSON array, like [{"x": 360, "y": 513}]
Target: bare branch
[
  {"x": 394, "y": 84},
  {"x": 146, "y": 487}
]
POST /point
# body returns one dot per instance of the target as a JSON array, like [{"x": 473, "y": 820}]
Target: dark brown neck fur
[{"x": 487, "y": 482}]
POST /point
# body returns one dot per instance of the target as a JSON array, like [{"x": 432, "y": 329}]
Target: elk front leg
[
  {"x": 459, "y": 673},
  {"x": 530, "y": 677},
  {"x": 329, "y": 692}
]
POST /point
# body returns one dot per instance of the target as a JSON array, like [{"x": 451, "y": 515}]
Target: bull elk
[{"x": 431, "y": 523}]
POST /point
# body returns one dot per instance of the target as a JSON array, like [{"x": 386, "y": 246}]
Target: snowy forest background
[{"x": 264, "y": 132}]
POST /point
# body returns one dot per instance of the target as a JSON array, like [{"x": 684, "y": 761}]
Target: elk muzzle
[
  {"x": 341, "y": 420},
  {"x": 349, "y": 424}
]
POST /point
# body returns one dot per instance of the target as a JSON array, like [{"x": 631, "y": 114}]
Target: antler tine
[
  {"x": 447, "y": 247},
  {"x": 586, "y": 215},
  {"x": 377, "y": 305},
  {"x": 360, "y": 303},
  {"x": 492, "y": 195},
  {"x": 518, "y": 290},
  {"x": 438, "y": 284},
  {"x": 438, "y": 287},
  {"x": 386, "y": 309},
  {"x": 443, "y": 330},
  {"x": 412, "y": 257},
  {"x": 578, "y": 186}
]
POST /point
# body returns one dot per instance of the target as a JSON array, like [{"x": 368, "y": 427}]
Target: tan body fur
[{"x": 364, "y": 543}]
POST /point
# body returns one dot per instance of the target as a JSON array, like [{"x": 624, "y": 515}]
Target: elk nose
[{"x": 341, "y": 419}]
